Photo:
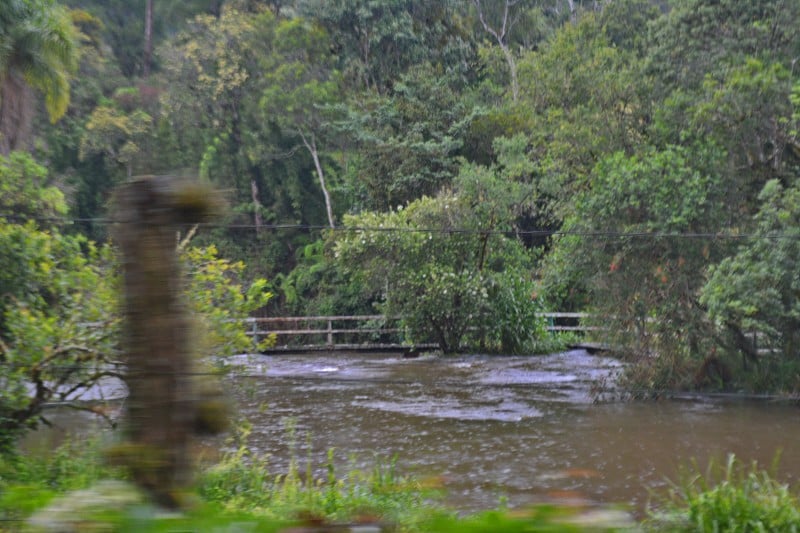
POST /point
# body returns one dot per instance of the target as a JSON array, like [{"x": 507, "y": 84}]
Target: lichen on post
[{"x": 162, "y": 404}]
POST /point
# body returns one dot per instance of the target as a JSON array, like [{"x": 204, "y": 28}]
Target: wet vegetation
[
  {"x": 71, "y": 489},
  {"x": 727, "y": 497},
  {"x": 462, "y": 165}
]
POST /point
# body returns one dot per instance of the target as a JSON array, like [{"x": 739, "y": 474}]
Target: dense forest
[{"x": 463, "y": 164}]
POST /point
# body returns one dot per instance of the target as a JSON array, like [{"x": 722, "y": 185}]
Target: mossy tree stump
[{"x": 161, "y": 403}]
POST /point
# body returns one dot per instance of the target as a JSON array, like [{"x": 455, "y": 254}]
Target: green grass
[
  {"x": 238, "y": 493},
  {"x": 238, "y": 489},
  {"x": 28, "y": 483},
  {"x": 241, "y": 481},
  {"x": 731, "y": 498}
]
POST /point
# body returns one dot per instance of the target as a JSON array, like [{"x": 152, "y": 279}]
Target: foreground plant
[
  {"x": 72, "y": 490},
  {"x": 735, "y": 497},
  {"x": 242, "y": 482}
]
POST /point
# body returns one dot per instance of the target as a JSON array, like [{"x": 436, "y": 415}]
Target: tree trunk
[
  {"x": 257, "y": 220},
  {"x": 500, "y": 35},
  {"x": 16, "y": 113},
  {"x": 512, "y": 67},
  {"x": 743, "y": 344},
  {"x": 312, "y": 148},
  {"x": 148, "y": 38}
]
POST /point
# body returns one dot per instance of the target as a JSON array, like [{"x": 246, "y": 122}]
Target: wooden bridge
[{"x": 361, "y": 332}]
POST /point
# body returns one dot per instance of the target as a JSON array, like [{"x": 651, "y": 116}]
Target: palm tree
[{"x": 38, "y": 51}]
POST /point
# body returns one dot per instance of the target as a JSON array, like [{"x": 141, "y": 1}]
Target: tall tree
[
  {"x": 442, "y": 279},
  {"x": 301, "y": 87},
  {"x": 408, "y": 140},
  {"x": 500, "y": 31},
  {"x": 725, "y": 71},
  {"x": 758, "y": 288},
  {"x": 584, "y": 98},
  {"x": 628, "y": 243},
  {"x": 38, "y": 51},
  {"x": 217, "y": 74},
  {"x": 377, "y": 40},
  {"x": 148, "y": 38}
]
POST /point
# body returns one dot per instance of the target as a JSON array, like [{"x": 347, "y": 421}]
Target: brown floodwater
[
  {"x": 489, "y": 429},
  {"x": 518, "y": 430}
]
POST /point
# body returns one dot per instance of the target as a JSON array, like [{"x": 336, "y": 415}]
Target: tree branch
[
  {"x": 183, "y": 243},
  {"x": 94, "y": 409},
  {"x": 311, "y": 145}
]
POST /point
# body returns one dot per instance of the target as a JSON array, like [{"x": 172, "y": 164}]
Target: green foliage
[
  {"x": 219, "y": 116},
  {"x": 439, "y": 303},
  {"x": 220, "y": 303},
  {"x": 59, "y": 325},
  {"x": 443, "y": 280},
  {"x": 516, "y": 327},
  {"x": 124, "y": 25},
  {"x": 88, "y": 180},
  {"x": 723, "y": 73},
  {"x": 38, "y": 43},
  {"x": 541, "y": 518},
  {"x": 733, "y": 497},
  {"x": 757, "y": 288},
  {"x": 408, "y": 141},
  {"x": 301, "y": 87},
  {"x": 59, "y": 313},
  {"x": 300, "y": 81},
  {"x": 317, "y": 286},
  {"x": 239, "y": 489},
  {"x": 583, "y": 98},
  {"x": 113, "y": 132},
  {"x": 73, "y": 488},
  {"x": 74, "y": 464},
  {"x": 29, "y": 482},
  {"x": 25, "y": 192},
  {"x": 378, "y": 40},
  {"x": 644, "y": 278},
  {"x": 698, "y": 37}
]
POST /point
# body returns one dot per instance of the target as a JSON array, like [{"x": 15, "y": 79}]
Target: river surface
[
  {"x": 519, "y": 430},
  {"x": 491, "y": 429}
]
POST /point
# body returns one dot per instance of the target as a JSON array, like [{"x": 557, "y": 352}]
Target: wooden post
[
  {"x": 256, "y": 340},
  {"x": 161, "y": 405},
  {"x": 330, "y": 333}
]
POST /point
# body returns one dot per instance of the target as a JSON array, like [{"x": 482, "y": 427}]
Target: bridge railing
[
  {"x": 372, "y": 330},
  {"x": 323, "y": 326}
]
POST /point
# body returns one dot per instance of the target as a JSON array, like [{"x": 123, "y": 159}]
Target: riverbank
[{"x": 73, "y": 490}]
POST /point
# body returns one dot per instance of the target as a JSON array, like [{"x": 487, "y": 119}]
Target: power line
[{"x": 531, "y": 232}]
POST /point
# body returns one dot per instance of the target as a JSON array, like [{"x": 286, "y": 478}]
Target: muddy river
[
  {"x": 491, "y": 429},
  {"x": 487, "y": 429}
]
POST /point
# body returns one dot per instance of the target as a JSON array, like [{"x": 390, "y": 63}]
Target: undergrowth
[
  {"x": 28, "y": 483},
  {"x": 239, "y": 493},
  {"x": 241, "y": 481},
  {"x": 734, "y": 497}
]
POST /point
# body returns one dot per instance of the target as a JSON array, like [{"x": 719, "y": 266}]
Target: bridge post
[{"x": 256, "y": 340}]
